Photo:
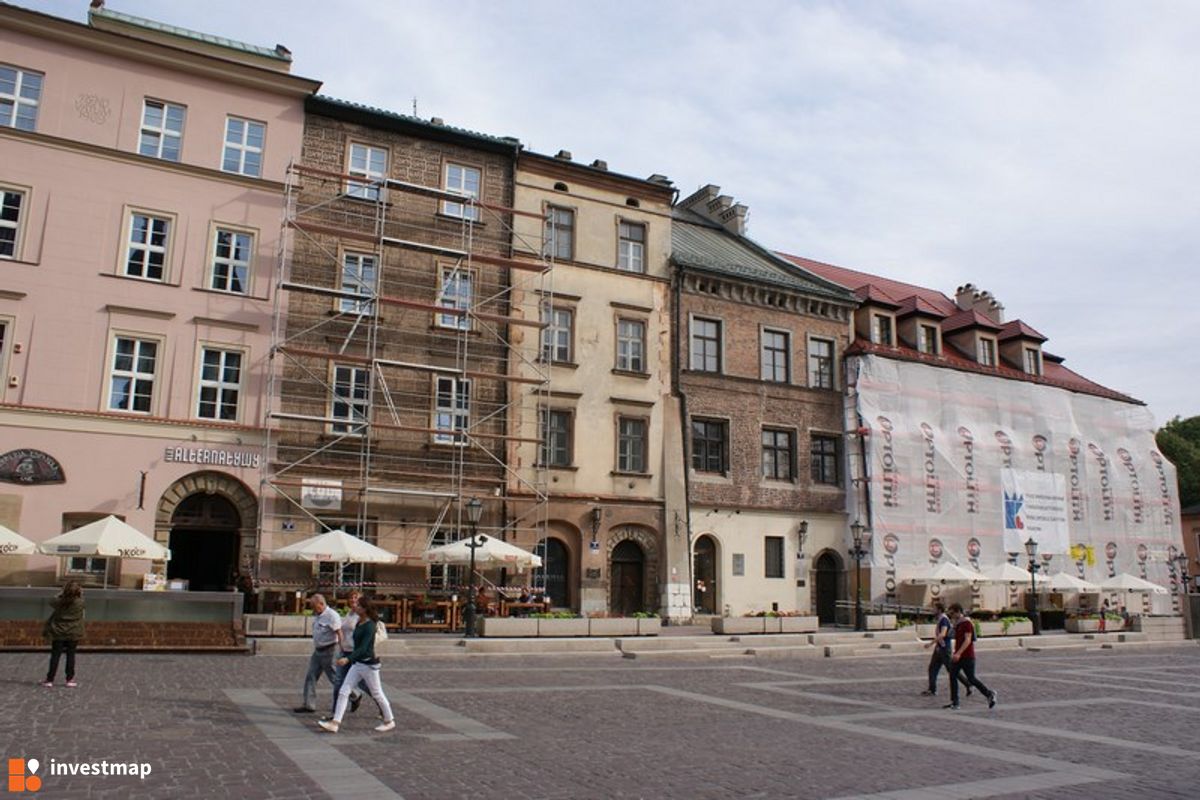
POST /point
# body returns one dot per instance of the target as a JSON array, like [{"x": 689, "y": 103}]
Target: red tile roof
[
  {"x": 968, "y": 318},
  {"x": 1017, "y": 328},
  {"x": 869, "y": 293},
  {"x": 919, "y": 305},
  {"x": 897, "y": 290}
]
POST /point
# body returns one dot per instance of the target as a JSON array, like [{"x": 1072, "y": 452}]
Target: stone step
[
  {"x": 640, "y": 645},
  {"x": 859, "y": 637},
  {"x": 786, "y": 651},
  {"x": 773, "y": 639},
  {"x": 692, "y": 653},
  {"x": 546, "y": 646}
]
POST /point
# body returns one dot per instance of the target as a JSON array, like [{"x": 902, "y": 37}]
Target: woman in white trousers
[{"x": 364, "y": 666}]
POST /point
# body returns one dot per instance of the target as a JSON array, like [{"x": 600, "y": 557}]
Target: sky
[{"x": 1045, "y": 152}]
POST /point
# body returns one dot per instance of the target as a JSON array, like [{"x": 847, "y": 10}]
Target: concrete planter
[
  {"x": 1093, "y": 625},
  {"x": 291, "y": 625},
  {"x": 881, "y": 622},
  {"x": 989, "y": 629},
  {"x": 308, "y": 625},
  {"x": 508, "y": 627},
  {"x": 648, "y": 626},
  {"x": 617, "y": 626},
  {"x": 562, "y": 627},
  {"x": 738, "y": 626},
  {"x": 798, "y": 624},
  {"x": 258, "y": 624},
  {"x": 1020, "y": 628}
]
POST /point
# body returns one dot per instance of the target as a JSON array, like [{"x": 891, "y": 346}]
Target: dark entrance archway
[
  {"x": 829, "y": 569},
  {"x": 204, "y": 542},
  {"x": 553, "y": 574},
  {"x": 628, "y": 578},
  {"x": 704, "y": 572}
]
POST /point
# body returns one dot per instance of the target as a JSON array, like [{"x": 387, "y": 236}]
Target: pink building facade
[{"x": 141, "y": 172}]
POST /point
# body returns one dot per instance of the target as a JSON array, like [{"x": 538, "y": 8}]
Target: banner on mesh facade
[{"x": 1035, "y": 507}]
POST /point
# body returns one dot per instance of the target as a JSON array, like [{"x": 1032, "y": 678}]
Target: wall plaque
[
  {"x": 29, "y": 467},
  {"x": 739, "y": 563},
  {"x": 593, "y": 573}
]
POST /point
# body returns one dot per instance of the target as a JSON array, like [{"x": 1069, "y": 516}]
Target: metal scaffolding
[{"x": 405, "y": 369}]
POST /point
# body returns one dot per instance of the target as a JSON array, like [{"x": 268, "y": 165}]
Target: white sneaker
[
  {"x": 331, "y": 726},
  {"x": 387, "y": 726}
]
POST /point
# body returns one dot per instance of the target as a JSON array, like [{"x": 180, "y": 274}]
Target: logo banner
[{"x": 1035, "y": 507}]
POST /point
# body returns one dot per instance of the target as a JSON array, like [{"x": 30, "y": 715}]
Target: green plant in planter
[
  {"x": 645, "y": 615},
  {"x": 554, "y": 615},
  {"x": 904, "y": 622},
  {"x": 1009, "y": 620}
]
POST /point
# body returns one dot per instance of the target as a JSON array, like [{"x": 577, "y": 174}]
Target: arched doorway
[
  {"x": 204, "y": 542},
  {"x": 704, "y": 573},
  {"x": 829, "y": 569},
  {"x": 628, "y": 578},
  {"x": 556, "y": 565}
]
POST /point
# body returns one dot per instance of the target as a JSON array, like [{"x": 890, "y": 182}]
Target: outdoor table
[
  {"x": 506, "y": 608},
  {"x": 442, "y": 618}
]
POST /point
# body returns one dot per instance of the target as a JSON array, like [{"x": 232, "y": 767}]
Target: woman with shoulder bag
[
  {"x": 364, "y": 666},
  {"x": 64, "y": 629}
]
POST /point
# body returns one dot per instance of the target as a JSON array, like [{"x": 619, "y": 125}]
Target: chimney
[
  {"x": 734, "y": 219},
  {"x": 708, "y": 202},
  {"x": 659, "y": 179},
  {"x": 967, "y": 297},
  {"x": 698, "y": 200},
  {"x": 437, "y": 121},
  {"x": 599, "y": 164},
  {"x": 97, "y": 4},
  {"x": 563, "y": 155}
]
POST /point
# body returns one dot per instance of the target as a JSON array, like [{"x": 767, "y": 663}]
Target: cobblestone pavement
[{"x": 1112, "y": 724}]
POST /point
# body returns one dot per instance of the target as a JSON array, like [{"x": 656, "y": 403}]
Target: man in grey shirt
[{"x": 326, "y": 624}]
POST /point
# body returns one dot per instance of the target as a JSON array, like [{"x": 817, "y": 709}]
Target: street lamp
[
  {"x": 1182, "y": 561},
  {"x": 858, "y": 551},
  {"x": 474, "y": 512},
  {"x": 801, "y": 535},
  {"x": 1035, "y": 614}
]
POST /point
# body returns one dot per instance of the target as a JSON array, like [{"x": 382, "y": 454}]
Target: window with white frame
[
  {"x": 465, "y": 181},
  {"x": 451, "y": 410},
  {"x": 220, "y": 384},
  {"x": 162, "y": 130},
  {"x": 778, "y": 454},
  {"x": 20, "y": 96},
  {"x": 349, "y": 403},
  {"x": 555, "y": 425},
  {"x": 776, "y": 348},
  {"x": 455, "y": 292},
  {"x": 149, "y": 239},
  {"x": 987, "y": 352},
  {"x": 131, "y": 379},
  {"x": 560, "y": 233},
  {"x": 927, "y": 339},
  {"x": 631, "y": 444},
  {"x": 706, "y": 345},
  {"x": 881, "y": 329},
  {"x": 359, "y": 276},
  {"x": 231, "y": 261},
  {"x": 631, "y": 247},
  {"x": 243, "y": 146},
  {"x": 558, "y": 333},
  {"x": 1033, "y": 361},
  {"x": 631, "y": 345},
  {"x": 11, "y": 205},
  {"x": 820, "y": 363},
  {"x": 368, "y": 163}
]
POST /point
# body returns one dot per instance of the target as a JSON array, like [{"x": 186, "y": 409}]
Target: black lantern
[
  {"x": 474, "y": 512},
  {"x": 801, "y": 536},
  {"x": 859, "y": 551},
  {"x": 1035, "y": 614}
]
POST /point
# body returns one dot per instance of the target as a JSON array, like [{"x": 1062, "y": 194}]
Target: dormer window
[
  {"x": 987, "y": 352},
  {"x": 881, "y": 329},
  {"x": 927, "y": 339},
  {"x": 1033, "y": 361}
]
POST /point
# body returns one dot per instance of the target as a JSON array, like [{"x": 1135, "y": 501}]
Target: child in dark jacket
[{"x": 64, "y": 629}]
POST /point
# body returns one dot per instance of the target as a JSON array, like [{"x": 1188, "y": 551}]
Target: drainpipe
[{"x": 677, "y": 390}]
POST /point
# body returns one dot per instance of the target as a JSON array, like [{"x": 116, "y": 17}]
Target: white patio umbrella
[
  {"x": 489, "y": 552},
  {"x": 106, "y": 538},
  {"x": 1066, "y": 582},
  {"x": 14, "y": 544},
  {"x": 335, "y": 545},
  {"x": 1124, "y": 582},
  {"x": 945, "y": 572},
  {"x": 1006, "y": 573}
]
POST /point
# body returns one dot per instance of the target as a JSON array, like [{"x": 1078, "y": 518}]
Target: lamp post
[
  {"x": 858, "y": 551},
  {"x": 1035, "y": 615},
  {"x": 801, "y": 535},
  {"x": 474, "y": 512},
  {"x": 1182, "y": 561}
]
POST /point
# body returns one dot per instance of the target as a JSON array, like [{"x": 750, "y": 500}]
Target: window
[
  {"x": 231, "y": 261},
  {"x": 464, "y": 180},
  {"x": 825, "y": 461},
  {"x": 162, "y": 130},
  {"x": 631, "y": 345},
  {"x": 710, "y": 445},
  {"x": 455, "y": 293},
  {"x": 243, "y": 146},
  {"x": 706, "y": 345},
  {"x": 220, "y": 384},
  {"x": 927, "y": 339},
  {"x": 452, "y": 410},
  {"x": 359, "y": 276},
  {"x": 560, "y": 233},
  {"x": 557, "y": 335},
  {"x": 631, "y": 247},
  {"x": 556, "y": 438},
  {"x": 820, "y": 363},
  {"x": 1033, "y": 361},
  {"x": 369, "y": 163},
  {"x": 11, "y": 202},
  {"x": 131, "y": 384},
  {"x": 987, "y": 352},
  {"x": 778, "y": 454},
  {"x": 631, "y": 444},
  {"x": 148, "y": 240},
  {"x": 881, "y": 329},
  {"x": 776, "y": 356},
  {"x": 351, "y": 392},
  {"x": 20, "y": 94},
  {"x": 773, "y": 556}
]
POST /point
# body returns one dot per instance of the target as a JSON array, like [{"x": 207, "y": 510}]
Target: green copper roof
[{"x": 184, "y": 33}]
